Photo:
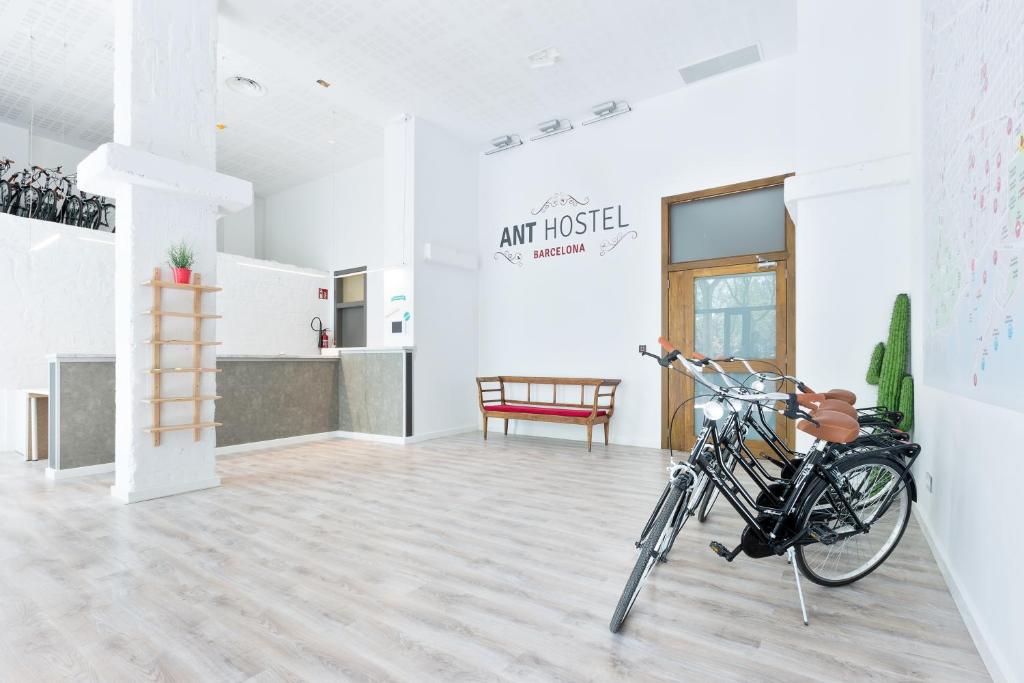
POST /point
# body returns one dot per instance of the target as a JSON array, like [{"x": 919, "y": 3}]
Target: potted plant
[{"x": 181, "y": 257}]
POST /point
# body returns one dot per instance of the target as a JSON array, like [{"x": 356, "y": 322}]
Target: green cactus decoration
[
  {"x": 906, "y": 404},
  {"x": 888, "y": 365},
  {"x": 875, "y": 365}
]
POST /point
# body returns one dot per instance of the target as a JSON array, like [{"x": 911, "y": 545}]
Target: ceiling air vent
[
  {"x": 720, "y": 64},
  {"x": 245, "y": 86}
]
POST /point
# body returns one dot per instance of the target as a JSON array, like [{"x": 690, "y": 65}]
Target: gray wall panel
[
  {"x": 262, "y": 400},
  {"x": 86, "y": 414},
  {"x": 371, "y": 399},
  {"x": 268, "y": 399}
]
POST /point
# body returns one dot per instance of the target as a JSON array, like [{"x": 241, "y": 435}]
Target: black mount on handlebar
[
  {"x": 663, "y": 361},
  {"x": 795, "y": 412}
]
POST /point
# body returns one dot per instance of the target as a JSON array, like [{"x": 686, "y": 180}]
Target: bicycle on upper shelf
[{"x": 49, "y": 194}]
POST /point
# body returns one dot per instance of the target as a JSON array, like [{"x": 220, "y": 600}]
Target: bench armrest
[
  {"x": 480, "y": 390},
  {"x": 609, "y": 385}
]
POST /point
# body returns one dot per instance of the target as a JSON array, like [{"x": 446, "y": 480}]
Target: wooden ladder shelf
[{"x": 196, "y": 342}]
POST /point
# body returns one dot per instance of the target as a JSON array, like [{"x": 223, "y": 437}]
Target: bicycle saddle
[
  {"x": 842, "y": 395},
  {"x": 838, "y": 406},
  {"x": 832, "y": 426}
]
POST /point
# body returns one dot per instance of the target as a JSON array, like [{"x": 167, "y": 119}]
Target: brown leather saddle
[{"x": 834, "y": 413}]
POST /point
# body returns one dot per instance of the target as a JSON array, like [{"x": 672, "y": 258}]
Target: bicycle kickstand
[{"x": 799, "y": 588}]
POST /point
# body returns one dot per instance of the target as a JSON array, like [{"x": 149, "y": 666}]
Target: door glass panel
[
  {"x": 751, "y": 222},
  {"x": 734, "y": 315},
  {"x": 702, "y": 394}
]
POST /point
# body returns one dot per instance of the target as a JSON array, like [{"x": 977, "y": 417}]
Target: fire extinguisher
[{"x": 322, "y": 340}]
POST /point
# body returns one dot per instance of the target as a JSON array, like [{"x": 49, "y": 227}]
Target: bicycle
[
  {"x": 833, "y": 499},
  {"x": 51, "y": 195},
  {"x": 878, "y": 429}
]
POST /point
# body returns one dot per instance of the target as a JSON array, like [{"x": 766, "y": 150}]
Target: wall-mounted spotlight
[
  {"x": 503, "y": 142},
  {"x": 552, "y": 127},
  {"x": 607, "y": 110}
]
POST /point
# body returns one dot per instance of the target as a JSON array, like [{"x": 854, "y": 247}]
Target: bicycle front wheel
[
  {"x": 658, "y": 537},
  {"x": 876, "y": 489},
  {"x": 712, "y": 492}
]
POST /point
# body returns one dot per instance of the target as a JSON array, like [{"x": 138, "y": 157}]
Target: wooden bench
[{"x": 597, "y": 408}]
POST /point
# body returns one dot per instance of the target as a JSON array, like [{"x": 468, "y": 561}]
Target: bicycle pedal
[
  {"x": 719, "y": 549},
  {"x": 822, "y": 534}
]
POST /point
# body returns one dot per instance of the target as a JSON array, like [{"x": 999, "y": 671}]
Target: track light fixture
[
  {"x": 607, "y": 110},
  {"x": 552, "y": 127},
  {"x": 503, "y": 142}
]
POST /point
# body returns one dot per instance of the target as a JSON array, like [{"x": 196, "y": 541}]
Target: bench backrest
[{"x": 492, "y": 390}]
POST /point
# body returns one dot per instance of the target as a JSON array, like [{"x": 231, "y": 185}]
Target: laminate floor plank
[{"x": 451, "y": 559}]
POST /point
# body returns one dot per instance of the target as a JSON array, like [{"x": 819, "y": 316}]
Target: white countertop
[
  {"x": 365, "y": 349},
  {"x": 325, "y": 354},
  {"x": 269, "y": 356}
]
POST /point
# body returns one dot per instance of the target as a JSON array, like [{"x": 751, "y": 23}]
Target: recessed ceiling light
[
  {"x": 245, "y": 86},
  {"x": 541, "y": 59},
  {"x": 322, "y": 83},
  {"x": 221, "y": 126}
]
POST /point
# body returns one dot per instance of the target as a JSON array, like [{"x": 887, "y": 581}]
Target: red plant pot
[{"x": 182, "y": 276}]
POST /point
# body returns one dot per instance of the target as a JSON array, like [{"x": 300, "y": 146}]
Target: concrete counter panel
[
  {"x": 275, "y": 399},
  {"x": 263, "y": 398},
  {"x": 81, "y": 414},
  {"x": 376, "y": 389}
]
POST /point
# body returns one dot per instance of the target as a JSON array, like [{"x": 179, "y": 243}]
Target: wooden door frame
[{"x": 788, "y": 255}]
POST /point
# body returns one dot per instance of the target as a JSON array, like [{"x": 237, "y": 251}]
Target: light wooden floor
[{"x": 447, "y": 560}]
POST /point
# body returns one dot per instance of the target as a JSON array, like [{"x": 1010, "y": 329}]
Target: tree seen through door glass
[{"x": 734, "y": 315}]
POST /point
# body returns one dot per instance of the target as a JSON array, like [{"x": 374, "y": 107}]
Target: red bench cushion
[{"x": 542, "y": 410}]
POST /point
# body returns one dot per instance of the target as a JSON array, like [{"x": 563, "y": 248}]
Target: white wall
[
  {"x": 56, "y": 296},
  {"x": 333, "y": 222},
  {"x": 858, "y": 202},
  {"x": 969, "y": 448},
  {"x": 853, "y": 216},
  {"x": 851, "y": 197},
  {"x": 27, "y": 151},
  {"x": 342, "y": 221},
  {"x": 445, "y": 213},
  {"x": 237, "y": 232},
  {"x": 585, "y": 314}
]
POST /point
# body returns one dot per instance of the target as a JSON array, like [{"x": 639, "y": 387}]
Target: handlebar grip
[
  {"x": 666, "y": 344},
  {"x": 671, "y": 346}
]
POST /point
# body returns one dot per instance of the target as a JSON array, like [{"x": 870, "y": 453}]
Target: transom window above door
[{"x": 734, "y": 224}]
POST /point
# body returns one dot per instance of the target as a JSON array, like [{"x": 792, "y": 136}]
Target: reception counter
[{"x": 360, "y": 393}]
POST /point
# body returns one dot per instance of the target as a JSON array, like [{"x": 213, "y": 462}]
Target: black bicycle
[
  {"x": 51, "y": 195},
  {"x": 820, "y": 516},
  {"x": 878, "y": 429}
]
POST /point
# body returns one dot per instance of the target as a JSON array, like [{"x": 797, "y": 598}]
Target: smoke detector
[
  {"x": 541, "y": 59},
  {"x": 245, "y": 86}
]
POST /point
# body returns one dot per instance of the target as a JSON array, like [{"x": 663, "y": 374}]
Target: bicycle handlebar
[{"x": 795, "y": 403}]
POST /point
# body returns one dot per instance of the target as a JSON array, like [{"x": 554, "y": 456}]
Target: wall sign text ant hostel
[{"x": 556, "y": 229}]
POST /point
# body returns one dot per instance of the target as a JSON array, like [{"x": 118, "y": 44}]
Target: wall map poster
[
  {"x": 563, "y": 225},
  {"x": 974, "y": 197}
]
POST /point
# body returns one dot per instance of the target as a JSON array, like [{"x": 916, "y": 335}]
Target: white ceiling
[{"x": 460, "y": 63}]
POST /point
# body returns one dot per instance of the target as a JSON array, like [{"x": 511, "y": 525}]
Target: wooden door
[{"x": 729, "y": 310}]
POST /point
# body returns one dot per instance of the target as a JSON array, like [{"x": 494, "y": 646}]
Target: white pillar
[{"x": 160, "y": 169}]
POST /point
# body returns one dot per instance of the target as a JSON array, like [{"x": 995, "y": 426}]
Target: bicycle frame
[{"x": 709, "y": 444}]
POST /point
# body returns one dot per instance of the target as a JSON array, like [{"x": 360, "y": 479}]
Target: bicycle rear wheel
[
  {"x": 658, "y": 537},
  {"x": 876, "y": 488}
]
